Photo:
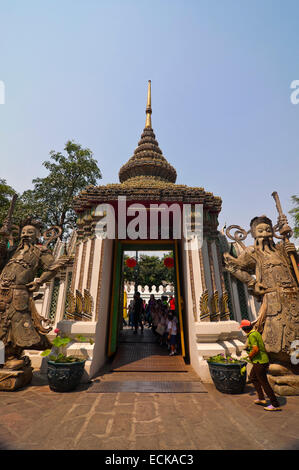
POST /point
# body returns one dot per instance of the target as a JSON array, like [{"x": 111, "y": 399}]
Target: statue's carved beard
[
  {"x": 25, "y": 242},
  {"x": 264, "y": 244}
]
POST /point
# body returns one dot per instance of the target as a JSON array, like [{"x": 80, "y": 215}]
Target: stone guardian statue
[
  {"x": 267, "y": 270},
  {"x": 21, "y": 326}
]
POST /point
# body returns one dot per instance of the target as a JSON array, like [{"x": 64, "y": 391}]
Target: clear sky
[{"x": 221, "y": 72}]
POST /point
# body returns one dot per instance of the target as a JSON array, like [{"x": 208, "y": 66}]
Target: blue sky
[{"x": 221, "y": 72}]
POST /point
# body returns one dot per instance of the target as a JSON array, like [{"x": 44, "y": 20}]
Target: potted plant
[
  {"x": 64, "y": 372},
  {"x": 228, "y": 373}
]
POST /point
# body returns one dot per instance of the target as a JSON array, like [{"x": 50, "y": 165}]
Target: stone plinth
[
  {"x": 284, "y": 385},
  {"x": 36, "y": 359},
  {"x": 283, "y": 379},
  {"x": 11, "y": 380},
  {"x": 211, "y": 332},
  {"x": 212, "y": 338},
  {"x": 73, "y": 328}
]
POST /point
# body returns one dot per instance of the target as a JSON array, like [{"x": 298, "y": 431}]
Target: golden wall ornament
[
  {"x": 223, "y": 304},
  {"x": 87, "y": 303},
  {"x": 215, "y": 313},
  {"x": 79, "y": 307},
  {"x": 71, "y": 304},
  {"x": 204, "y": 306}
]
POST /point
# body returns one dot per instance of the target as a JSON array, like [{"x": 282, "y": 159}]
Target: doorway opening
[{"x": 147, "y": 274}]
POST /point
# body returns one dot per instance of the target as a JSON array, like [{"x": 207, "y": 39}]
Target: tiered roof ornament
[
  {"x": 148, "y": 159},
  {"x": 147, "y": 176}
]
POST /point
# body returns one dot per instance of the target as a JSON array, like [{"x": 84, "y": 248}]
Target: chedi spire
[{"x": 148, "y": 160}]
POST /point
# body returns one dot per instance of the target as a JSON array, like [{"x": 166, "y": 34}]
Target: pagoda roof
[
  {"x": 147, "y": 176},
  {"x": 145, "y": 188}
]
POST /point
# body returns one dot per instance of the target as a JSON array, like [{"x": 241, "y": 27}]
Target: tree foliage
[
  {"x": 150, "y": 271},
  {"x": 295, "y": 214},
  {"x": 51, "y": 200},
  {"x": 6, "y": 193}
]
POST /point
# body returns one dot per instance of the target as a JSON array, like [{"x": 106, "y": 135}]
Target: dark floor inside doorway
[
  {"x": 141, "y": 365},
  {"x": 141, "y": 352}
]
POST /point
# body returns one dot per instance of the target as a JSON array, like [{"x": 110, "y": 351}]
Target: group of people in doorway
[{"x": 157, "y": 314}]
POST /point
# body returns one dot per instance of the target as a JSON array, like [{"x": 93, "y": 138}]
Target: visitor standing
[
  {"x": 172, "y": 333},
  {"x": 157, "y": 312},
  {"x": 131, "y": 314},
  {"x": 149, "y": 310},
  {"x": 162, "y": 327},
  {"x": 172, "y": 304},
  {"x": 138, "y": 310},
  {"x": 260, "y": 365}
]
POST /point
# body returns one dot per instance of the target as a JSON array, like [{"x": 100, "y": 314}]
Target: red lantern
[
  {"x": 131, "y": 262},
  {"x": 168, "y": 262}
]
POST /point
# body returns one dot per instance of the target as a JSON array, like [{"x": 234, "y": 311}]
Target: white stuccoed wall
[
  {"x": 204, "y": 338},
  {"x": 102, "y": 324},
  {"x": 146, "y": 291},
  {"x": 207, "y": 338},
  {"x": 97, "y": 330},
  {"x": 189, "y": 325}
]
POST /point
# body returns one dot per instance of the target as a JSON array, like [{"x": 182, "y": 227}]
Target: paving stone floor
[{"x": 37, "y": 418}]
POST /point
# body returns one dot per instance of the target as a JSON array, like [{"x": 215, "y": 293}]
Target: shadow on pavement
[{"x": 250, "y": 390}]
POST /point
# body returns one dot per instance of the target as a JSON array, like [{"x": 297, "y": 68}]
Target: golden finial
[{"x": 148, "y": 122}]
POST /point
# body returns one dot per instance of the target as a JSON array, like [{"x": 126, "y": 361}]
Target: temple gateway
[{"x": 86, "y": 296}]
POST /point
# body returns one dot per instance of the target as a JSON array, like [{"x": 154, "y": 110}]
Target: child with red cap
[{"x": 260, "y": 364}]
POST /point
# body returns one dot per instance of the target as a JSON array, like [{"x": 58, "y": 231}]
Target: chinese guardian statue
[
  {"x": 267, "y": 270},
  {"x": 23, "y": 269}
]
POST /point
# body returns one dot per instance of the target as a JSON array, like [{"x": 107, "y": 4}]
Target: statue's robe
[{"x": 279, "y": 318}]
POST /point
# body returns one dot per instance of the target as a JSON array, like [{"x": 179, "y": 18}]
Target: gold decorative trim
[
  {"x": 215, "y": 314},
  {"x": 204, "y": 306},
  {"x": 79, "y": 307},
  {"x": 148, "y": 122},
  {"x": 224, "y": 310}
]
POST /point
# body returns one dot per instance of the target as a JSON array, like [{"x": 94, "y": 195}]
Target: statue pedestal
[
  {"x": 285, "y": 385},
  {"x": 282, "y": 379},
  {"x": 223, "y": 337},
  {"x": 11, "y": 380}
]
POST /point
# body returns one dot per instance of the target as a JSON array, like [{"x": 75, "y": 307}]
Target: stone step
[{"x": 212, "y": 332}]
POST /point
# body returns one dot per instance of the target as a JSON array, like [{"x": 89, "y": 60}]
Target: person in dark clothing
[
  {"x": 260, "y": 365},
  {"x": 130, "y": 314},
  {"x": 149, "y": 310},
  {"x": 138, "y": 310}
]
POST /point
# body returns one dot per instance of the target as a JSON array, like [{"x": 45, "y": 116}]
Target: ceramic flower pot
[
  {"x": 228, "y": 378},
  {"x": 64, "y": 376}
]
